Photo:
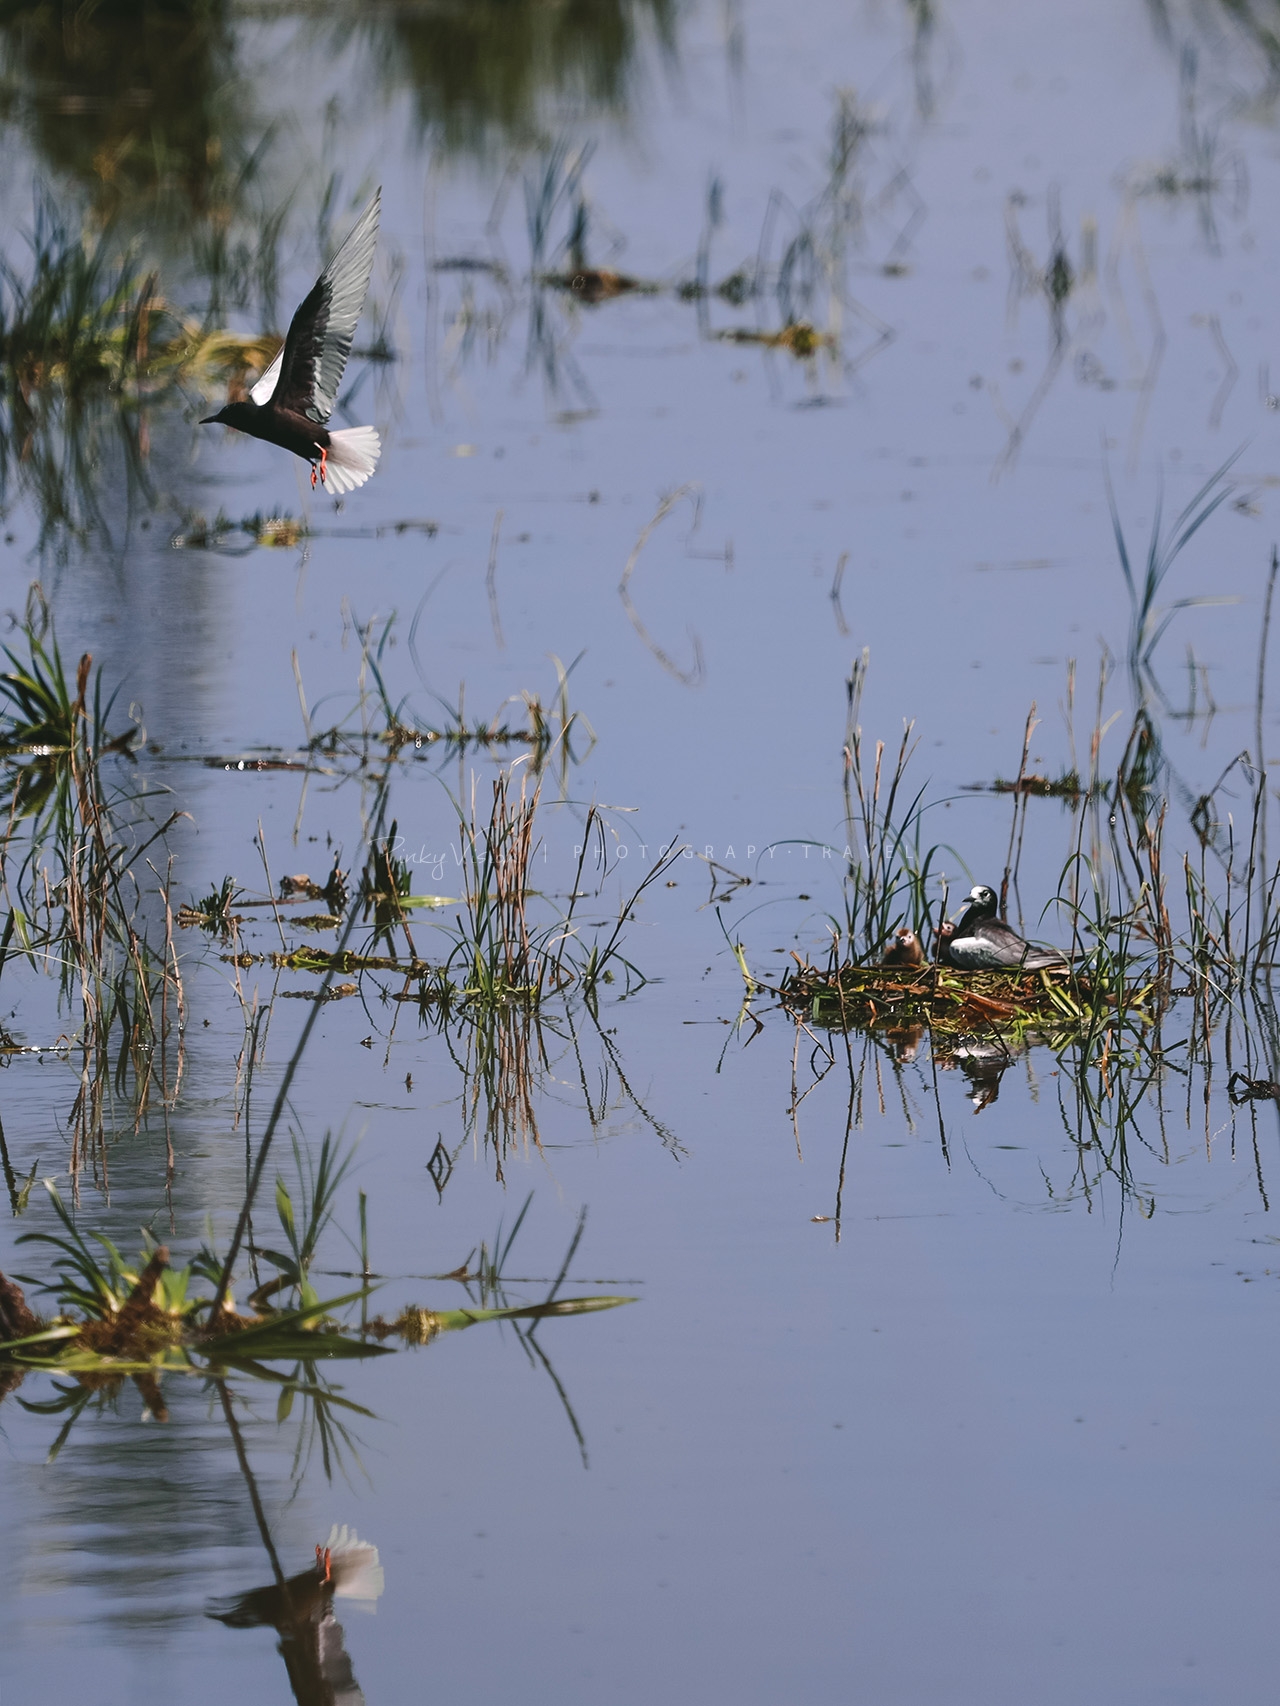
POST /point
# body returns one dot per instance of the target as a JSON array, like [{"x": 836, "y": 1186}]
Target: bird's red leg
[
  {"x": 313, "y": 476},
  {"x": 324, "y": 463},
  {"x": 328, "y": 1569},
  {"x": 319, "y": 1560}
]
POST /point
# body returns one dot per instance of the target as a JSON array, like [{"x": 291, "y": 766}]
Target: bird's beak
[{"x": 209, "y": 420}]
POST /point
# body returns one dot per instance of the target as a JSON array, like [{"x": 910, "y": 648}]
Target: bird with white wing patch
[{"x": 294, "y": 398}]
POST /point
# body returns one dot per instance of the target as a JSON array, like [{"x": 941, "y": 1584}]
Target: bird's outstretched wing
[{"x": 306, "y": 374}]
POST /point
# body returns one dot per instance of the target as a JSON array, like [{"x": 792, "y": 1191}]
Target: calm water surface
[{"x": 1005, "y": 1429}]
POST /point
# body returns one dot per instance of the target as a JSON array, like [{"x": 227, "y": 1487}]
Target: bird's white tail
[
  {"x": 353, "y": 455},
  {"x": 356, "y": 1572}
]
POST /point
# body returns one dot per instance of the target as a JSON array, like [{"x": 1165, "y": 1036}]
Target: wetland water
[{"x": 950, "y": 1370}]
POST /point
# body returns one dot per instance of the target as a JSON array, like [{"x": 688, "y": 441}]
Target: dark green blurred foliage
[
  {"x": 482, "y": 70},
  {"x": 126, "y": 98}
]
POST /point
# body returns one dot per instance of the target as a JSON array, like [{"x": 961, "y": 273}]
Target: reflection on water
[
  {"x": 136, "y": 104},
  {"x": 149, "y": 111},
  {"x": 300, "y": 1608},
  {"x": 490, "y": 70}
]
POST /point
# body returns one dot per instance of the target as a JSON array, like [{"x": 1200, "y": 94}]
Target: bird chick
[{"x": 904, "y": 950}]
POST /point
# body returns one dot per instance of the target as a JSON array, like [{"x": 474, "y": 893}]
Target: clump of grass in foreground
[
  {"x": 141, "y": 1319},
  {"x": 120, "y": 1317},
  {"x": 42, "y": 716}
]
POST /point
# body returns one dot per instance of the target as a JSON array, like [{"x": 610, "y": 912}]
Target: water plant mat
[{"x": 854, "y": 997}]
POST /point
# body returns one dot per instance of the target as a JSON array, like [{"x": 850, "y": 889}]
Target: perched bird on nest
[
  {"x": 904, "y": 950},
  {"x": 979, "y": 941},
  {"x": 295, "y": 396}
]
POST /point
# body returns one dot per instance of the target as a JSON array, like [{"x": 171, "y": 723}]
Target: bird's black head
[
  {"x": 980, "y": 904},
  {"x": 232, "y": 415}
]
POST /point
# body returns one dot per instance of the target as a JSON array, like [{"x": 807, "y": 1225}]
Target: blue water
[{"x": 1010, "y": 1435}]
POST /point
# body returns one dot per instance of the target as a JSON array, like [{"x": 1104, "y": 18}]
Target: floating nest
[{"x": 948, "y": 1002}]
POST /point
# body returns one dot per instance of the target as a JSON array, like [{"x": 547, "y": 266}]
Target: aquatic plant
[
  {"x": 888, "y": 877},
  {"x": 82, "y": 315},
  {"x": 1149, "y": 621},
  {"x": 142, "y": 1320},
  {"x": 68, "y": 882}
]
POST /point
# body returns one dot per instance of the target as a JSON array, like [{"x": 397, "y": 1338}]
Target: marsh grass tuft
[
  {"x": 499, "y": 954},
  {"x": 890, "y": 868},
  {"x": 82, "y": 315},
  {"x": 141, "y": 1320},
  {"x": 75, "y": 848},
  {"x": 213, "y": 913}
]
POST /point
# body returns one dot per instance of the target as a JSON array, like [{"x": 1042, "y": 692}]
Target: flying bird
[
  {"x": 295, "y": 396},
  {"x": 979, "y": 941}
]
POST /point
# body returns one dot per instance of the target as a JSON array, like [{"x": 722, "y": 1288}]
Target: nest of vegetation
[{"x": 948, "y": 1001}]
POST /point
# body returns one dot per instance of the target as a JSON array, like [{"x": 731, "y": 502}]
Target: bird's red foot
[
  {"x": 313, "y": 487},
  {"x": 324, "y": 1563},
  {"x": 324, "y": 463}
]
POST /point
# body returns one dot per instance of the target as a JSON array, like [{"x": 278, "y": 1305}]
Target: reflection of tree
[
  {"x": 482, "y": 66},
  {"x": 123, "y": 98}
]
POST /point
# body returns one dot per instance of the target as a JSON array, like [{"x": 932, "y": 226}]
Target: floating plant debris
[
  {"x": 799, "y": 337},
  {"x": 599, "y": 284}
]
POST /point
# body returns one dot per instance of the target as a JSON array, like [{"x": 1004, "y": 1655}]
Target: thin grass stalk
[
  {"x": 1261, "y": 758},
  {"x": 1018, "y": 800},
  {"x": 282, "y": 1094}
]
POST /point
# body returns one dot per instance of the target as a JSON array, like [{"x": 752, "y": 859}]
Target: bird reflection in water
[
  {"x": 984, "y": 1064},
  {"x": 903, "y": 1041},
  {"x": 300, "y": 1609}
]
